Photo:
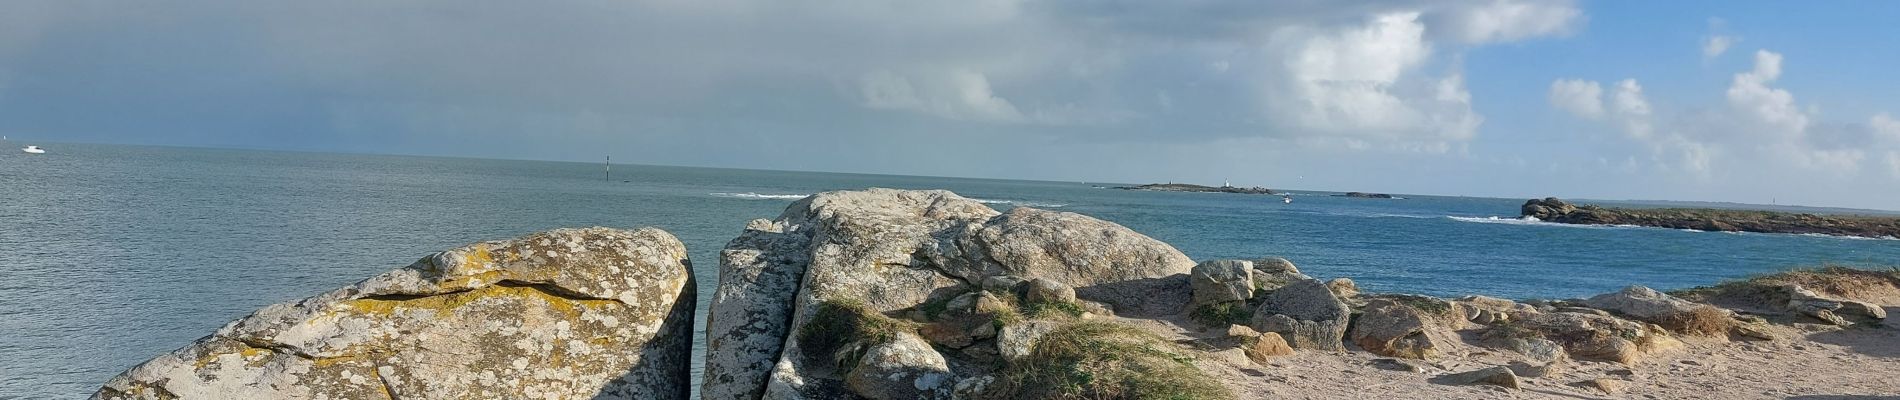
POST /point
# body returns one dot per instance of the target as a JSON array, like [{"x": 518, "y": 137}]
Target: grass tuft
[
  {"x": 1221, "y": 314},
  {"x": 1701, "y": 321},
  {"x": 841, "y": 330},
  {"x": 1096, "y": 360}
]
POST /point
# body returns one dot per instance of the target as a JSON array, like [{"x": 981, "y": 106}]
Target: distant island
[
  {"x": 1709, "y": 219},
  {"x": 1185, "y": 187},
  {"x": 1365, "y": 195}
]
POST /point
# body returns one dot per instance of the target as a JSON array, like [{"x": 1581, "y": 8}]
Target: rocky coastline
[
  {"x": 1185, "y": 187},
  {"x": 896, "y": 294},
  {"x": 1713, "y": 220}
]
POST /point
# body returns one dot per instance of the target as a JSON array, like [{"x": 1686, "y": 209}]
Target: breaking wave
[{"x": 756, "y": 196}]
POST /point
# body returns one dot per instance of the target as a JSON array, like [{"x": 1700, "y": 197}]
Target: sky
[{"x": 1741, "y": 101}]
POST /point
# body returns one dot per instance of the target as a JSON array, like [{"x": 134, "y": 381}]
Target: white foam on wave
[
  {"x": 756, "y": 196},
  {"x": 1508, "y": 221},
  {"x": 1020, "y": 203},
  {"x": 1823, "y": 235}
]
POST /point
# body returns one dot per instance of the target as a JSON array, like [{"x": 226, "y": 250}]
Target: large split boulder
[
  {"x": 1307, "y": 314},
  {"x": 897, "y": 252},
  {"x": 569, "y": 313}
]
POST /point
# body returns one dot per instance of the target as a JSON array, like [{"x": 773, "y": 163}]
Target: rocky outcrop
[
  {"x": 1393, "y": 329},
  {"x": 1547, "y": 209},
  {"x": 571, "y": 313},
  {"x": 1724, "y": 220},
  {"x": 1221, "y": 281},
  {"x": 1656, "y": 307},
  {"x": 1274, "y": 272},
  {"x": 1306, "y": 313},
  {"x": 903, "y": 253},
  {"x": 1364, "y": 195},
  {"x": 1590, "y": 336},
  {"x": 903, "y": 368},
  {"x": 1832, "y": 311}
]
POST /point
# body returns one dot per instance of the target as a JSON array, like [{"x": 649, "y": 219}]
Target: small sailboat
[{"x": 33, "y": 150}]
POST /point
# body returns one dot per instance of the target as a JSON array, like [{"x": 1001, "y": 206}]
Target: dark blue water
[{"x": 110, "y": 255}]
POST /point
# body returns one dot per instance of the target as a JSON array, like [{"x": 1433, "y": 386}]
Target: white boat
[
  {"x": 33, "y": 150},
  {"x": 1286, "y": 199}
]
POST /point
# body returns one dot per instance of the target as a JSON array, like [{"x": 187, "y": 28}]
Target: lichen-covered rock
[
  {"x": 965, "y": 320},
  {"x": 1103, "y": 261},
  {"x": 1393, "y": 329},
  {"x": 1044, "y": 290},
  {"x": 1597, "y": 337},
  {"x": 1220, "y": 281},
  {"x": 1537, "y": 350},
  {"x": 569, "y": 313},
  {"x": 1274, "y": 272},
  {"x": 1017, "y": 340},
  {"x": 1491, "y": 310},
  {"x": 1343, "y": 287},
  {"x": 903, "y": 368},
  {"x": 1307, "y": 314},
  {"x": 898, "y": 250},
  {"x": 1650, "y": 305},
  {"x": 1833, "y": 311}
]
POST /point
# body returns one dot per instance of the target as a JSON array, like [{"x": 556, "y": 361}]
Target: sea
[{"x": 111, "y": 255}]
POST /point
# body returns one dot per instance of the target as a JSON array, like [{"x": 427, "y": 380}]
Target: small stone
[
  {"x": 1042, "y": 290},
  {"x": 1266, "y": 345},
  {"x": 1343, "y": 288},
  {"x": 1500, "y": 376},
  {"x": 1536, "y": 370},
  {"x": 1605, "y": 385},
  {"x": 1396, "y": 365}
]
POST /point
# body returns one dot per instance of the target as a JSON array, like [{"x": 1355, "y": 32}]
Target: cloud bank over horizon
[{"x": 1489, "y": 97}]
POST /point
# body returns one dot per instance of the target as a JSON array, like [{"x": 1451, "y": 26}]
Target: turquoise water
[{"x": 110, "y": 255}]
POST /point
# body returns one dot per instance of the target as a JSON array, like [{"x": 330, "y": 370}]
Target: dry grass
[
  {"x": 1221, "y": 314},
  {"x": 1099, "y": 360},
  {"x": 1880, "y": 286},
  {"x": 1701, "y": 321},
  {"x": 841, "y": 330}
]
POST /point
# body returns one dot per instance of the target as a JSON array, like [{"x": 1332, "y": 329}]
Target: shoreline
[
  {"x": 926, "y": 294},
  {"x": 1714, "y": 220},
  {"x": 1192, "y": 188}
]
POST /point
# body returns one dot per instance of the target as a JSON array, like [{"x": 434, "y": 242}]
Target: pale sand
[{"x": 1814, "y": 362}]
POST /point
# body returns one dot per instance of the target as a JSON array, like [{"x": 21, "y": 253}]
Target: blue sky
[{"x": 1689, "y": 100}]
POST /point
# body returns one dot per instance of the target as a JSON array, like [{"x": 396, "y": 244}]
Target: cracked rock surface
[
  {"x": 569, "y": 313},
  {"x": 894, "y": 250}
]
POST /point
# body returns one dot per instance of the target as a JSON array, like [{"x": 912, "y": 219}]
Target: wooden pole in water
[{"x": 610, "y": 168}]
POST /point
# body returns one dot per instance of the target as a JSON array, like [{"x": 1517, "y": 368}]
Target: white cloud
[
  {"x": 1715, "y": 45},
  {"x": 1631, "y": 109},
  {"x": 1717, "y": 42},
  {"x": 959, "y": 95},
  {"x": 1505, "y": 21},
  {"x": 1580, "y": 97},
  {"x": 1886, "y": 128},
  {"x": 1750, "y": 96},
  {"x": 1360, "y": 81},
  {"x": 1893, "y": 163}
]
